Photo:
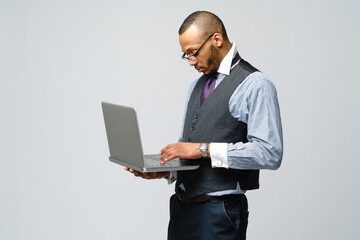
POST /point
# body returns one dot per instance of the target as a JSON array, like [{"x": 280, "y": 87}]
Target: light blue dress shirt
[{"x": 255, "y": 103}]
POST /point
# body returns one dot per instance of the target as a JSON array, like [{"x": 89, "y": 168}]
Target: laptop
[{"x": 125, "y": 144}]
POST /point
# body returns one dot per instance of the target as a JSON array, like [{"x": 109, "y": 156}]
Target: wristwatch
[{"x": 203, "y": 148}]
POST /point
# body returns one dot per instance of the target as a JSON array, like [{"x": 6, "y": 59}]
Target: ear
[{"x": 218, "y": 40}]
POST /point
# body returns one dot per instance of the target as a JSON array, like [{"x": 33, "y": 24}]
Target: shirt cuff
[
  {"x": 172, "y": 178},
  {"x": 218, "y": 155}
]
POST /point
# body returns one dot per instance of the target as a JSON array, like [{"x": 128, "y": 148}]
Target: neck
[{"x": 224, "y": 50}]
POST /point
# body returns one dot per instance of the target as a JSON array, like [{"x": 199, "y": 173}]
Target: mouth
[{"x": 200, "y": 69}]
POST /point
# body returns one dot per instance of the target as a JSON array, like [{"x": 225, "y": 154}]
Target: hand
[
  {"x": 180, "y": 150},
  {"x": 148, "y": 175}
]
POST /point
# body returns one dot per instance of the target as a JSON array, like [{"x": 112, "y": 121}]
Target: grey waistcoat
[{"x": 212, "y": 122}]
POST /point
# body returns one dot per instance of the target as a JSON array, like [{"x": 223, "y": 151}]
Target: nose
[{"x": 192, "y": 62}]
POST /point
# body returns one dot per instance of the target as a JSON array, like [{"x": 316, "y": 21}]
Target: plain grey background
[{"x": 60, "y": 59}]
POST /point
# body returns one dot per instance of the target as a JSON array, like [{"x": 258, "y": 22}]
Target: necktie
[
  {"x": 208, "y": 88},
  {"x": 210, "y": 83}
]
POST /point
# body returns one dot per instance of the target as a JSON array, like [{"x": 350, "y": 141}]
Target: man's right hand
[{"x": 148, "y": 175}]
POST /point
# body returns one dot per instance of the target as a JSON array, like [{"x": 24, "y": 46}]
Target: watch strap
[{"x": 203, "y": 148}]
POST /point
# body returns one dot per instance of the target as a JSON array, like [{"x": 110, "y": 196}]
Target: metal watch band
[{"x": 203, "y": 148}]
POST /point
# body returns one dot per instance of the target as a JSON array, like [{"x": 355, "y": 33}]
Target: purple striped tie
[{"x": 210, "y": 83}]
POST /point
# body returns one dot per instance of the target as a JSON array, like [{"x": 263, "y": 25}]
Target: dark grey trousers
[{"x": 220, "y": 218}]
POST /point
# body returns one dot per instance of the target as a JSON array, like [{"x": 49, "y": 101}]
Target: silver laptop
[{"x": 125, "y": 145}]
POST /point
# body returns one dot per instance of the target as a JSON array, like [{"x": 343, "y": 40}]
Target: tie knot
[{"x": 213, "y": 77}]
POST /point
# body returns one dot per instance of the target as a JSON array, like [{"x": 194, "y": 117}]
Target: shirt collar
[{"x": 225, "y": 65}]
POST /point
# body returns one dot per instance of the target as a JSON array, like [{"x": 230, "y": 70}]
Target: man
[{"x": 231, "y": 128}]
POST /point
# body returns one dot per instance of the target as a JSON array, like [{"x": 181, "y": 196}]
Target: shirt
[{"x": 255, "y": 103}]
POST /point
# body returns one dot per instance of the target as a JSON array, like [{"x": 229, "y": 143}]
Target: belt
[{"x": 182, "y": 196}]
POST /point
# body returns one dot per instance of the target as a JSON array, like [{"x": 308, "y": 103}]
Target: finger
[
  {"x": 138, "y": 174},
  {"x": 149, "y": 175},
  {"x": 161, "y": 151},
  {"x": 167, "y": 148},
  {"x": 129, "y": 169},
  {"x": 163, "y": 159},
  {"x": 163, "y": 156},
  {"x": 167, "y": 159}
]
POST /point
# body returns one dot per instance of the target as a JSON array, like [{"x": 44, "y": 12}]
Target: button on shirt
[{"x": 255, "y": 103}]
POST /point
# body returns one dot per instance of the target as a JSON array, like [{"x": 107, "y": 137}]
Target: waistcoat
[{"x": 212, "y": 122}]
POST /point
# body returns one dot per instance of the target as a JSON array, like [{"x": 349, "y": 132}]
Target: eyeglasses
[{"x": 193, "y": 57}]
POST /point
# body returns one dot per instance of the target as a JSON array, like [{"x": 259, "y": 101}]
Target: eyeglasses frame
[{"x": 193, "y": 57}]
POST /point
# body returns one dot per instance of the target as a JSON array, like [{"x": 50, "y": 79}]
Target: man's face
[{"x": 207, "y": 60}]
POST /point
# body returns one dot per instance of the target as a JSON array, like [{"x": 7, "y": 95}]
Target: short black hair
[{"x": 208, "y": 22}]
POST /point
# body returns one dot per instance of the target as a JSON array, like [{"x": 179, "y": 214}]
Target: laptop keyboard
[{"x": 149, "y": 162}]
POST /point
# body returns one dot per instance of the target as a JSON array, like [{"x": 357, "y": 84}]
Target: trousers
[{"x": 220, "y": 218}]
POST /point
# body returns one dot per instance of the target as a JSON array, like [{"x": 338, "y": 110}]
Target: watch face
[{"x": 203, "y": 146}]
